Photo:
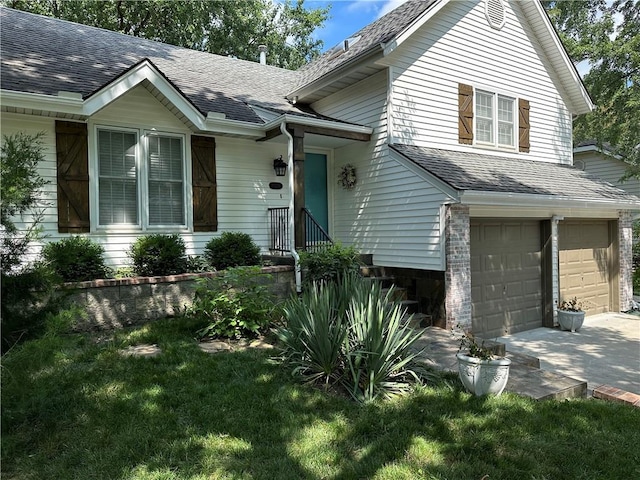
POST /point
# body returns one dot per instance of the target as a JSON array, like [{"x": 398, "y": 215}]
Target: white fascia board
[
  {"x": 389, "y": 47},
  {"x": 143, "y": 71},
  {"x": 316, "y": 122},
  {"x": 233, "y": 127},
  {"x": 561, "y": 55},
  {"x": 37, "y": 101},
  {"x": 523, "y": 200},
  {"x": 343, "y": 70}
]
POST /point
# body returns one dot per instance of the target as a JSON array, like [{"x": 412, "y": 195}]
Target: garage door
[
  {"x": 506, "y": 276},
  {"x": 584, "y": 263}
]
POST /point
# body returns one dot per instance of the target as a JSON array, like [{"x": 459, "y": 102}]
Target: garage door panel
[
  {"x": 584, "y": 263},
  {"x": 505, "y": 276}
]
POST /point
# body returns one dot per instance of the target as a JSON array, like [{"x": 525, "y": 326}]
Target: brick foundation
[{"x": 458, "y": 270}]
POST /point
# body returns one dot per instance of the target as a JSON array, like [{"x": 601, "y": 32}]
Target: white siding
[
  {"x": 458, "y": 46},
  {"x": 391, "y": 213},
  {"x": 607, "y": 168},
  {"x": 244, "y": 170}
]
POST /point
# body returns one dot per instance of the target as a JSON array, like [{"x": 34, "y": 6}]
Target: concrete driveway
[{"x": 606, "y": 350}]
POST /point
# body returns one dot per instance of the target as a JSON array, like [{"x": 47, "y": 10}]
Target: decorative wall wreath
[{"x": 347, "y": 177}]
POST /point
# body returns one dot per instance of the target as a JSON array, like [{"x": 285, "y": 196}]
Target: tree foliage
[
  {"x": 606, "y": 34},
  {"x": 226, "y": 28}
]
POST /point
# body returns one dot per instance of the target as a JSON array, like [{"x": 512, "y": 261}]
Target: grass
[{"x": 74, "y": 408}]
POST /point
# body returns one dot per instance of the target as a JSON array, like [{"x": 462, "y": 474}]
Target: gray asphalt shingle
[
  {"x": 487, "y": 173},
  {"x": 45, "y": 55}
]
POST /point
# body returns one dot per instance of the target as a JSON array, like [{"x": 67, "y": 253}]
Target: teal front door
[{"x": 315, "y": 188}]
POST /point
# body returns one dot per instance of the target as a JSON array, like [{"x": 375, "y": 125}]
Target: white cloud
[{"x": 389, "y": 5}]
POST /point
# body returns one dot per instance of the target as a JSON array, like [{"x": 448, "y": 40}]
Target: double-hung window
[
  {"x": 141, "y": 179},
  {"x": 495, "y": 120}
]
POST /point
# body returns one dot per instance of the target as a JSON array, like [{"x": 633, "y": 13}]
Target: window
[
  {"x": 140, "y": 179},
  {"x": 494, "y": 119}
]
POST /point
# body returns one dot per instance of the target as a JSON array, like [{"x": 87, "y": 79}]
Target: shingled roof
[
  {"x": 370, "y": 37},
  {"x": 45, "y": 55},
  {"x": 486, "y": 173}
]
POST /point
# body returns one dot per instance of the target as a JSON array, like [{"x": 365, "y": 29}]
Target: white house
[{"x": 456, "y": 117}]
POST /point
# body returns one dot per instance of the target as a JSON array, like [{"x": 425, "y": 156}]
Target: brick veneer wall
[
  {"x": 625, "y": 239},
  {"x": 458, "y": 269},
  {"x": 115, "y": 303}
]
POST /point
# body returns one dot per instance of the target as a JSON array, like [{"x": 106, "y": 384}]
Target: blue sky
[{"x": 349, "y": 16}]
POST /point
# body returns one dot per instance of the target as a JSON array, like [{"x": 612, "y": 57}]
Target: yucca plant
[
  {"x": 378, "y": 353},
  {"x": 350, "y": 332}
]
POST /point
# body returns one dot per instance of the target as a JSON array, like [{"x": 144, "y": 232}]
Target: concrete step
[
  {"x": 372, "y": 271},
  {"x": 525, "y": 378},
  {"x": 398, "y": 293},
  {"x": 412, "y": 306}
]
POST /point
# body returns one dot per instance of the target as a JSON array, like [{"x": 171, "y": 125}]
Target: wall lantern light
[{"x": 280, "y": 167}]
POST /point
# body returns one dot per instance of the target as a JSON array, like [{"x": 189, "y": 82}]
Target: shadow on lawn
[{"x": 76, "y": 410}]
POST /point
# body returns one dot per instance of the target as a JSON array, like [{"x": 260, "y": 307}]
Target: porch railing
[
  {"x": 316, "y": 237},
  {"x": 279, "y": 230}
]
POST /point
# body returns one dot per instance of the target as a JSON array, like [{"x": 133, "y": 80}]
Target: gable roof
[
  {"x": 478, "y": 172},
  {"x": 65, "y": 56}
]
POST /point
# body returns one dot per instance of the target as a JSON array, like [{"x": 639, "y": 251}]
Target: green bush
[
  {"x": 329, "y": 263},
  {"x": 158, "y": 254},
  {"x": 76, "y": 259},
  {"x": 197, "y": 264},
  {"x": 349, "y": 333},
  {"x": 235, "y": 303},
  {"x": 232, "y": 249}
]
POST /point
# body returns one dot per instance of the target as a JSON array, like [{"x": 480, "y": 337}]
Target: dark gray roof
[
  {"x": 487, "y": 173},
  {"x": 371, "y": 36},
  {"x": 46, "y": 55}
]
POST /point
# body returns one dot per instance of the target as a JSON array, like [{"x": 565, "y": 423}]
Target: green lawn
[{"x": 74, "y": 408}]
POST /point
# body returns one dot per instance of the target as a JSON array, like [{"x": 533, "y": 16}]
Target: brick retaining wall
[{"x": 113, "y": 303}]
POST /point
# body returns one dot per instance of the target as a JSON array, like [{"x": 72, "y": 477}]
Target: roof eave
[{"x": 528, "y": 200}]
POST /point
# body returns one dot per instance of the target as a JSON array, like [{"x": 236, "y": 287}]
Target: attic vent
[
  {"x": 494, "y": 10},
  {"x": 579, "y": 164}
]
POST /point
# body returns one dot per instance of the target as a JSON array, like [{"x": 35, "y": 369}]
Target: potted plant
[
  {"x": 480, "y": 370},
  {"x": 570, "y": 315}
]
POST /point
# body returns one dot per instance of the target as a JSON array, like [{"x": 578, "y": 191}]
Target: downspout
[{"x": 292, "y": 238}]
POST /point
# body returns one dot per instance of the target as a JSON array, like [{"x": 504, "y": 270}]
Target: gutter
[
  {"x": 292, "y": 226},
  {"x": 315, "y": 122},
  {"x": 473, "y": 197}
]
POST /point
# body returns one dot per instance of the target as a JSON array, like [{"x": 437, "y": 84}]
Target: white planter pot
[
  {"x": 482, "y": 377},
  {"x": 569, "y": 320}
]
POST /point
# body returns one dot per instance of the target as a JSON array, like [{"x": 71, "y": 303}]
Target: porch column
[
  {"x": 625, "y": 254},
  {"x": 458, "y": 268},
  {"x": 298, "y": 187}
]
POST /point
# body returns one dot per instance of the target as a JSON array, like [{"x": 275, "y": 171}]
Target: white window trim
[
  {"x": 142, "y": 149},
  {"x": 495, "y": 95}
]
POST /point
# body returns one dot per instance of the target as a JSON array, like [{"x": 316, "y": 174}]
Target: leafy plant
[
  {"x": 470, "y": 346},
  {"x": 329, "y": 263},
  {"x": 158, "y": 254},
  {"x": 197, "y": 264},
  {"x": 235, "y": 303},
  {"x": 348, "y": 333},
  {"x": 76, "y": 259},
  {"x": 232, "y": 249},
  {"x": 571, "y": 305}
]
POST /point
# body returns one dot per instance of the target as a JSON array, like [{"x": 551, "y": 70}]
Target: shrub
[
  {"x": 232, "y": 249},
  {"x": 76, "y": 259},
  {"x": 197, "y": 264},
  {"x": 158, "y": 254},
  {"x": 234, "y": 304},
  {"x": 330, "y": 263},
  {"x": 349, "y": 333}
]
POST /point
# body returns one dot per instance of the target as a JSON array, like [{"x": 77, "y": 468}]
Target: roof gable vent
[{"x": 494, "y": 10}]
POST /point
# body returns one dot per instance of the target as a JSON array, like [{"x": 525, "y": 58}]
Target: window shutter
[
  {"x": 523, "y": 125},
  {"x": 465, "y": 113},
  {"x": 72, "y": 177},
  {"x": 205, "y": 203}
]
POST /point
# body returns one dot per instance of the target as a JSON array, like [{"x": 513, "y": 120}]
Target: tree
[
  {"x": 607, "y": 35},
  {"x": 223, "y": 27}
]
